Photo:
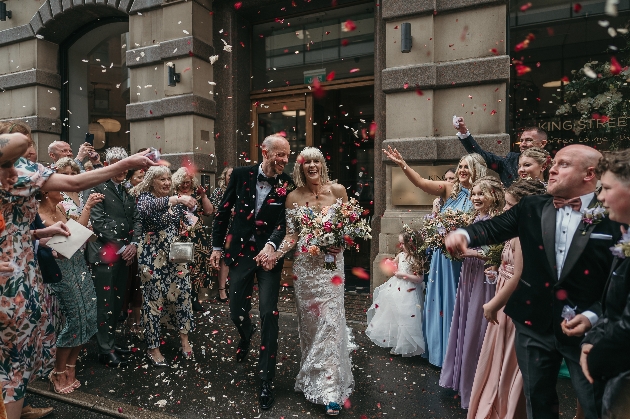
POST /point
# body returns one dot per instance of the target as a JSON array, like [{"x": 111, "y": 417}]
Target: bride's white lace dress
[{"x": 325, "y": 341}]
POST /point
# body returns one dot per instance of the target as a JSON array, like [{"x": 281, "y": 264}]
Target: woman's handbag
[{"x": 181, "y": 252}]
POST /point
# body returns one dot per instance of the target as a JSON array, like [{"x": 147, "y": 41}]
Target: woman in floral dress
[
  {"x": 26, "y": 336},
  {"x": 165, "y": 285},
  {"x": 185, "y": 183}
]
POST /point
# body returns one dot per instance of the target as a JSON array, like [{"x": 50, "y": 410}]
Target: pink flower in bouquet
[
  {"x": 282, "y": 190},
  {"x": 353, "y": 217},
  {"x": 327, "y": 226}
]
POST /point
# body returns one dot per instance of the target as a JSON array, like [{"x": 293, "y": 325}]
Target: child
[
  {"x": 395, "y": 317},
  {"x": 469, "y": 326}
]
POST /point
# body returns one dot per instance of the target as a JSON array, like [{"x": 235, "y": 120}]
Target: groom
[
  {"x": 566, "y": 260},
  {"x": 256, "y": 196}
]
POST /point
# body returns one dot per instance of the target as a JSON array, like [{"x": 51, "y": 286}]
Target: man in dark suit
[
  {"x": 118, "y": 230},
  {"x": 604, "y": 349},
  {"x": 256, "y": 195},
  {"x": 506, "y": 167},
  {"x": 566, "y": 259}
]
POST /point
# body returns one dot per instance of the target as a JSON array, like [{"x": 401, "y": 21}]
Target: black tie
[{"x": 263, "y": 178}]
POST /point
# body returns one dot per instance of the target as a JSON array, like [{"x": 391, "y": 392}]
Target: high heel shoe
[
  {"x": 188, "y": 355},
  {"x": 64, "y": 390},
  {"x": 76, "y": 383},
  {"x": 155, "y": 363},
  {"x": 223, "y": 300}
]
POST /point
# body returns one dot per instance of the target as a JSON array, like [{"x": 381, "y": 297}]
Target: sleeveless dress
[
  {"x": 497, "y": 391},
  {"x": 325, "y": 368},
  {"x": 441, "y": 288},
  {"x": 467, "y": 329},
  {"x": 395, "y": 317}
]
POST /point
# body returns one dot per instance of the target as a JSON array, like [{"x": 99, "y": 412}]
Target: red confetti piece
[
  {"x": 615, "y": 67},
  {"x": 300, "y": 159},
  {"x": 344, "y": 42},
  {"x": 350, "y": 25},
  {"x": 337, "y": 280},
  {"x": 347, "y": 405},
  {"x": 561, "y": 295},
  {"x": 564, "y": 79},
  {"x": 586, "y": 272},
  {"x": 577, "y": 7},
  {"x": 522, "y": 69},
  {"x": 526, "y": 6},
  {"x": 360, "y": 273},
  {"x": 419, "y": 92},
  {"x": 354, "y": 70},
  {"x": 493, "y": 112},
  {"x": 238, "y": 5},
  {"x": 318, "y": 91},
  {"x": 527, "y": 322},
  {"x": 494, "y": 51},
  {"x": 330, "y": 76},
  {"x": 388, "y": 266}
]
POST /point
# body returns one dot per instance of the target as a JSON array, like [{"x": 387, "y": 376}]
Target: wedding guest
[
  {"x": 59, "y": 149},
  {"x": 444, "y": 272},
  {"x": 215, "y": 198},
  {"x": 325, "y": 375},
  {"x": 117, "y": 228},
  {"x": 27, "y": 336},
  {"x": 185, "y": 183},
  {"x": 449, "y": 176},
  {"x": 469, "y": 326},
  {"x": 565, "y": 241},
  {"x": 395, "y": 316},
  {"x": 75, "y": 292},
  {"x": 506, "y": 167},
  {"x": 497, "y": 390},
  {"x": 133, "y": 295},
  {"x": 534, "y": 163},
  {"x": 603, "y": 358},
  {"x": 165, "y": 284}
]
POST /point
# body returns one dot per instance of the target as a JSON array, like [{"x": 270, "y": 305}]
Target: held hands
[
  {"x": 586, "y": 349},
  {"x": 577, "y": 326},
  {"x": 215, "y": 258},
  {"x": 394, "y": 155},
  {"x": 267, "y": 257}
]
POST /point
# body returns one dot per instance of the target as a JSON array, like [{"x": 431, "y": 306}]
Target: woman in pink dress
[{"x": 497, "y": 391}]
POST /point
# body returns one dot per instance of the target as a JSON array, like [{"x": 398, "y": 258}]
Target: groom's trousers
[
  {"x": 241, "y": 275},
  {"x": 539, "y": 358}
]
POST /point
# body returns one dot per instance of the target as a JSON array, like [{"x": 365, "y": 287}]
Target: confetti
[
  {"x": 615, "y": 67},
  {"x": 526, "y": 6},
  {"x": 577, "y": 7}
]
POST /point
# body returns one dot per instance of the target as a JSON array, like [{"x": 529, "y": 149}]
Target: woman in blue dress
[{"x": 444, "y": 273}]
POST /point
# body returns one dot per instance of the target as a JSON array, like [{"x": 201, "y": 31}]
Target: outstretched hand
[
  {"x": 394, "y": 155},
  {"x": 456, "y": 243}
]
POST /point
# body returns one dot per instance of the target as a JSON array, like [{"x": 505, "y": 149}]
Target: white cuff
[
  {"x": 462, "y": 136},
  {"x": 272, "y": 245},
  {"x": 592, "y": 317},
  {"x": 36, "y": 247},
  {"x": 463, "y": 233}
]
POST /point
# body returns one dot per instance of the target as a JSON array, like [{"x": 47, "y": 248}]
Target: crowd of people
[{"x": 498, "y": 331}]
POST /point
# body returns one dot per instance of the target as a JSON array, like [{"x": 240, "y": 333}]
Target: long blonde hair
[
  {"x": 492, "y": 188},
  {"x": 221, "y": 183},
  {"x": 476, "y": 165},
  {"x": 147, "y": 183},
  {"x": 309, "y": 153}
]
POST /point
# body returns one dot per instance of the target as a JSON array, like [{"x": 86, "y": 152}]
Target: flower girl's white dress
[{"x": 395, "y": 317}]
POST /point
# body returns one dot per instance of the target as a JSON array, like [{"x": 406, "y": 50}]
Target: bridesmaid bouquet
[
  {"x": 338, "y": 225},
  {"x": 437, "y": 226}
]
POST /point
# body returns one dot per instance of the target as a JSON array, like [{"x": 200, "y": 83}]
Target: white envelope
[{"x": 67, "y": 246}]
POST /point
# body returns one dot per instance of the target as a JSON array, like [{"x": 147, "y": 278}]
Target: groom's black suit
[
  {"x": 249, "y": 232},
  {"x": 537, "y": 303}
]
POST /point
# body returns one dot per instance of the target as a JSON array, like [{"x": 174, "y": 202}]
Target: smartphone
[{"x": 89, "y": 138}]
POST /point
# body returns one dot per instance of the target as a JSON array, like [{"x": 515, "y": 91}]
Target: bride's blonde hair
[{"x": 309, "y": 153}]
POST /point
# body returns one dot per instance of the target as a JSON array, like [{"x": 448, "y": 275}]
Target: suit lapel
[
  {"x": 111, "y": 185},
  {"x": 578, "y": 244},
  {"x": 548, "y": 224},
  {"x": 252, "y": 192}
]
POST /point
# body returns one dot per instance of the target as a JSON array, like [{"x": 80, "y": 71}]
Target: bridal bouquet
[
  {"x": 337, "y": 225},
  {"x": 437, "y": 226}
]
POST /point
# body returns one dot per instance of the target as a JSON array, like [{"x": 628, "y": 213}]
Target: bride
[{"x": 325, "y": 375}]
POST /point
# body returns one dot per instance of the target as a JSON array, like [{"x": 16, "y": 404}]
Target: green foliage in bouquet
[
  {"x": 437, "y": 226},
  {"x": 493, "y": 254}
]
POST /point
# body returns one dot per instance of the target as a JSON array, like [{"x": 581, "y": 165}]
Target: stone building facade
[{"x": 70, "y": 66}]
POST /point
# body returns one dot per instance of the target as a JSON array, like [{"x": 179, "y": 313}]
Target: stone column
[
  {"x": 458, "y": 65},
  {"x": 178, "y": 119}
]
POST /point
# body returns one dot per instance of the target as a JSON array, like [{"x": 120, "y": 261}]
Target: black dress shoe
[
  {"x": 196, "y": 306},
  {"x": 122, "y": 350},
  {"x": 111, "y": 360},
  {"x": 243, "y": 346},
  {"x": 266, "y": 395}
]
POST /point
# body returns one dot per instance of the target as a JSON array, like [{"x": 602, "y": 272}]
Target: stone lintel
[
  {"x": 203, "y": 162},
  {"x": 171, "y": 106},
  {"x": 169, "y": 50},
  {"x": 446, "y": 5},
  {"x": 143, "y": 5},
  {"x": 29, "y": 78},
  {"x": 443, "y": 75},
  {"x": 392, "y": 9},
  {"x": 45, "y": 13},
  {"x": 40, "y": 123},
  {"x": 55, "y": 7},
  {"x": 16, "y": 34},
  {"x": 430, "y": 149}
]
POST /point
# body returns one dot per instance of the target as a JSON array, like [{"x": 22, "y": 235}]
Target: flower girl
[{"x": 395, "y": 317}]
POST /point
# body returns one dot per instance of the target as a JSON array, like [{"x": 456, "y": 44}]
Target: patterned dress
[
  {"x": 27, "y": 337},
  {"x": 75, "y": 292},
  {"x": 165, "y": 285},
  {"x": 200, "y": 236}
]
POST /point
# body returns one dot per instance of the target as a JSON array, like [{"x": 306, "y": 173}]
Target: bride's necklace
[
  {"x": 317, "y": 192},
  {"x": 53, "y": 215}
]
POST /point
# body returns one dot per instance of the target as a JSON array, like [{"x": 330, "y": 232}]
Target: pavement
[{"x": 215, "y": 386}]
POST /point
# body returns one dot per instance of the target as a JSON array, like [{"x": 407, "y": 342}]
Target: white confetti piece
[
  {"x": 213, "y": 58},
  {"x": 589, "y": 72},
  {"x": 39, "y": 36},
  {"x": 611, "y": 7},
  {"x": 612, "y": 32},
  {"x": 186, "y": 32}
]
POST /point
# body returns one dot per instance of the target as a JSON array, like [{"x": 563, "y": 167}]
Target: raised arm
[
  {"x": 86, "y": 180},
  {"x": 433, "y": 187},
  {"x": 496, "y": 163},
  {"x": 12, "y": 146}
]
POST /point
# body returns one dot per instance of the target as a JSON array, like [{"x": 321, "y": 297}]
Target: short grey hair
[
  {"x": 115, "y": 153},
  {"x": 52, "y": 146},
  {"x": 270, "y": 141},
  {"x": 147, "y": 183},
  {"x": 309, "y": 153}
]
